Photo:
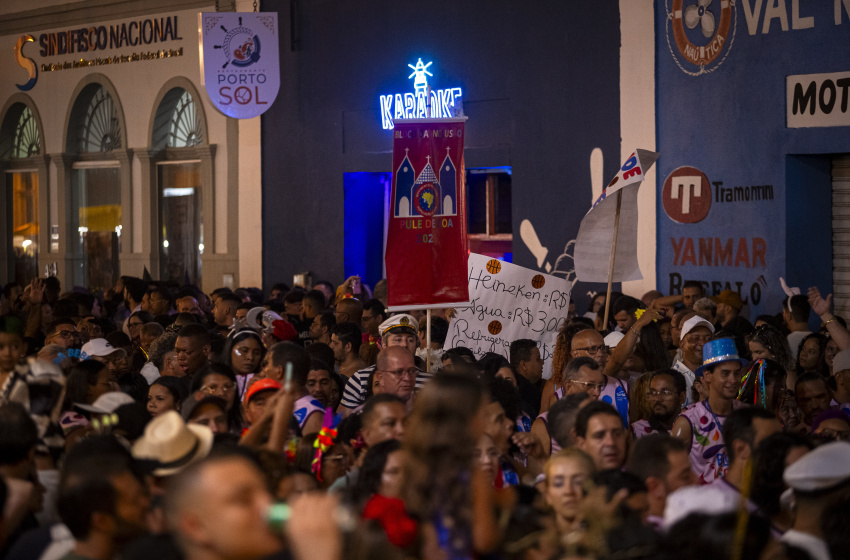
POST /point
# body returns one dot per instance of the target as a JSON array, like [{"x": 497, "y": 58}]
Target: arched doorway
[
  {"x": 94, "y": 143},
  {"x": 24, "y": 172},
  {"x": 180, "y": 163}
]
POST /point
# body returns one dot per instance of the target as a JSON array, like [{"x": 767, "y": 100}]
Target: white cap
[
  {"x": 107, "y": 403},
  {"x": 613, "y": 339},
  {"x": 709, "y": 499},
  {"x": 402, "y": 323},
  {"x": 694, "y": 322},
  {"x": 821, "y": 469},
  {"x": 841, "y": 361},
  {"x": 99, "y": 347}
]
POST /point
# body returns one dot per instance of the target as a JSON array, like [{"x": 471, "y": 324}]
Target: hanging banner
[
  {"x": 427, "y": 247},
  {"x": 240, "y": 62},
  {"x": 595, "y": 238},
  {"x": 509, "y": 302}
]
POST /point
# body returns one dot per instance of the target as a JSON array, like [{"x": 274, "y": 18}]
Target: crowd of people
[{"x": 158, "y": 421}]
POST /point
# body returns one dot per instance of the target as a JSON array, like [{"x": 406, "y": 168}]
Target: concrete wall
[
  {"x": 231, "y": 179},
  {"x": 540, "y": 86}
]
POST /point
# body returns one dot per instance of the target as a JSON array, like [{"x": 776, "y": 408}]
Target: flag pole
[
  {"x": 611, "y": 261},
  {"x": 428, "y": 340}
]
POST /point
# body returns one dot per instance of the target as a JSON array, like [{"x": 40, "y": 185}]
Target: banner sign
[
  {"x": 596, "y": 233},
  {"x": 426, "y": 238},
  {"x": 509, "y": 302},
  {"x": 817, "y": 100},
  {"x": 240, "y": 63}
]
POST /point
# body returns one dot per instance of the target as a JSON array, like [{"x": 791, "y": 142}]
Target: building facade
[
  {"x": 745, "y": 101},
  {"x": 114, "y": 162}
]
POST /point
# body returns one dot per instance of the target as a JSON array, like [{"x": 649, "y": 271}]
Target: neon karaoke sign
[{"x": 422, "y": 103}]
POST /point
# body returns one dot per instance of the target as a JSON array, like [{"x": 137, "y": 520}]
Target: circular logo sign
[
  {"x": 702, "y": 32},
  {"x": 425, "y": 199},
  {"x": 686, "y": 195},
  {"x": 242, "y": 47}
]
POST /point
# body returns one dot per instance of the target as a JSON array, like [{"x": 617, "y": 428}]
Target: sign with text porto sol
[
  {"x": 507, "y": 303},
  {"x": 240, "y": 61},
  {"x": 427, "y": 247}
]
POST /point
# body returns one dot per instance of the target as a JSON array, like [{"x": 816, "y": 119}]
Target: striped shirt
[{"x": 355, "y": 391}]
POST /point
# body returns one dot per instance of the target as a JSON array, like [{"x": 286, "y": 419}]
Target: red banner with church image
[{"x": 427, "y": 248}]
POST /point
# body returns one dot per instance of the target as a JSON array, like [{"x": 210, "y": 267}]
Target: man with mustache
[{"x": 666, "y": 395}]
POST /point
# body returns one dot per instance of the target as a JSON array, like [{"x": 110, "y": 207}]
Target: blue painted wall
[
  {"x": 730, "y": 123},
  {"x": 364, "y": 225}
]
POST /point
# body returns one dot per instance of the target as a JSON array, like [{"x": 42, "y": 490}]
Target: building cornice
[{"x": 95, "y": 11}]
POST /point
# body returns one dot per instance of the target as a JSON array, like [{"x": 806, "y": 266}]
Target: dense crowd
[{"x": 158, "y": 421}]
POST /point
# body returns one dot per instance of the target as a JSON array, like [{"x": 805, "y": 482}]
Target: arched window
[
  {"x": 94, "y": 133},
  {"x": 177, "y": 129},
  {"x": 20, "y": 140},
  {"x": 96, "y": 127},
  {"x": 177, "y": 123}
]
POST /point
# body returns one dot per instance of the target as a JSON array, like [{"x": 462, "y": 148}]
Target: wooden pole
[
  {"x": 428, "y": 340},
  {"x": 611, "y": 261}
]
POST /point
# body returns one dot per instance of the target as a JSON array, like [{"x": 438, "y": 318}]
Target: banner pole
[
  {"x": 428, "y": 340},
  {"x": 611, "y": 261}
]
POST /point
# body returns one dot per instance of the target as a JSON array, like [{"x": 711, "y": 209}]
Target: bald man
[
  {"x": 589, "y": 344},
  {"x": 396, "y": 373},
  {"x": 349, "y": 310},
  {"x": 188, "y": 304}
]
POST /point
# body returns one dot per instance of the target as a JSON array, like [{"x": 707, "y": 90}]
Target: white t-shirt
[{"x": 794, "y": 340}]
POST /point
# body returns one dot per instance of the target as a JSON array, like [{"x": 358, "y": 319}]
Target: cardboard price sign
[{"x": 509, "y": 302}]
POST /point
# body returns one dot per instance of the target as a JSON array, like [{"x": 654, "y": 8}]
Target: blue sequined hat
[{"x": 720, "y": 350}]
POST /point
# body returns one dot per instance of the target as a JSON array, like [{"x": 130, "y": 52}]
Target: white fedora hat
[{"x": 172, "y": 443}]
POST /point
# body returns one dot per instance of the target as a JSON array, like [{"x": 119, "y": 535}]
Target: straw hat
[{"x": 172, "y": 443}]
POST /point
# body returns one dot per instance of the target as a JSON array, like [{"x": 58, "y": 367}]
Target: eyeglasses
[
  {"x": 213, "y": 389},
  {"x": 139, "y": 324},
  {"x": 663, "y": 393},
  {"x": 593, "y": 349},
  {"x": 697, "y": 339},
  {"x": 587, "y": 385},
  {"x": 64, "y": 334},
  {"x": 399, "y": 373}
]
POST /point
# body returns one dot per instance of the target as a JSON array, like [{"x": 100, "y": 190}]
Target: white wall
[{"x": 637, "y": 123}]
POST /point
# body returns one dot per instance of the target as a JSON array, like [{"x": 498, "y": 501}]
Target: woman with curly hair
[
  {"x": 451, "y": 499},
  {"x": 768, "y": 342},
  {"x": 560, "y": 357},
  {"x": 764, "y": 385}
]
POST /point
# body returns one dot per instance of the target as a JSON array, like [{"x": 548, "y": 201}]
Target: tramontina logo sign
[
  {"x": 240, "y": 62},
  {"x": 700, "y": 33}
]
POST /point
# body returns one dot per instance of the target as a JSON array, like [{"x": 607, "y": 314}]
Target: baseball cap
[
  {"x": 100, "y": 347},
  {"x": 841, "y": 361},
  {"x": 730, "y": 298},
  {"x": 694, "y": 322},
  {"x": 821, "y": 469},
  {"x": 261, "y": 385},
  {"x": 107, "y": 403},
  {"x": 399, "y": 324}
]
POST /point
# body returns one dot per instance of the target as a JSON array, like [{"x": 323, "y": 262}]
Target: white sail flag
[{"x": 596, "y": 234}]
